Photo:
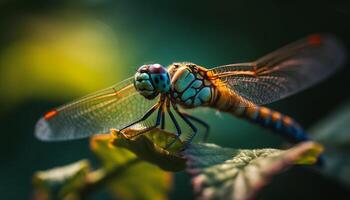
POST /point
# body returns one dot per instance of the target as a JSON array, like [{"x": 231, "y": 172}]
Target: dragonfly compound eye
[
  {"x": 143, "y": 83},
  {"x": 150, "y": 80},
  {"x": 160, "y": 78}
]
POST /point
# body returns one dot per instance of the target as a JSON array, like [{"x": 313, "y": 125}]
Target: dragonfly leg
[
  {"x": 189, "y": 123},
  {"x": 203, "y": 123},
  {"x": 158, "y": 121},
  {"x": 145, "y": 116},
  {"x": 162, "y": 125},
  {"x": 178, "y": 129}
]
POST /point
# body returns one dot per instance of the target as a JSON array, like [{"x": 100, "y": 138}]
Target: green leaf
[
  {"x": 131, "y": 178},
  {"x": 225, "y": 173},
  {"x": 109, "y": 156},
  {"x": 334, "y": 133},
  {"x": 150, "y": 147},
  {"x": 124, "y": 170},
  {"x": 61, "y": 182}
]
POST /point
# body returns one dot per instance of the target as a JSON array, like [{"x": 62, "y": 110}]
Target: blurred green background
[{"x": 54, "y": 51}]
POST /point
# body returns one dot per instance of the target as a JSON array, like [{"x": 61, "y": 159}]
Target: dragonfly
[{"x": 239, "y": 89}]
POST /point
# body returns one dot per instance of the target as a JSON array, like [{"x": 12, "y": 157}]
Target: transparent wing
[
  {"x": 285, "y": 71},
  {"x": 113, "y": 107}
]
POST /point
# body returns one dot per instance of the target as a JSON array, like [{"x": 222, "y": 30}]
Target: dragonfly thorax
[{"x": 150, "y": 80}]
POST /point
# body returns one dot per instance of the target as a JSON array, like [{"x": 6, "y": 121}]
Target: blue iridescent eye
[
  {"x": 150, "y": 80},
  {"x": 161, "y": 82}
]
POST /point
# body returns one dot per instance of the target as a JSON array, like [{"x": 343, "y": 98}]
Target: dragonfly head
[{"x": 150, "y": 80}]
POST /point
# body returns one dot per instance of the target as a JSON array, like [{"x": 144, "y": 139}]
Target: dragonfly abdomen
[
  {"x": 283, "y": 124},
  {"x": 229, "y": 102}
]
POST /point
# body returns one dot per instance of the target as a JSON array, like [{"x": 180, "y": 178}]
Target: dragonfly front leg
[
  {"x": 173, "y": 119},
  {"x": 160, "y": 115},
  {"x": 158, "y": 106},
  {"x": 145, "y": 116},
  {"x": 162, "y": 126}
]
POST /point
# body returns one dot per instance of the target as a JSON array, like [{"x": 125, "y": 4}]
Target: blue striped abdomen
[
  {"x": 279, "y": 123},
  {"x": 285, "y": 126}
]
